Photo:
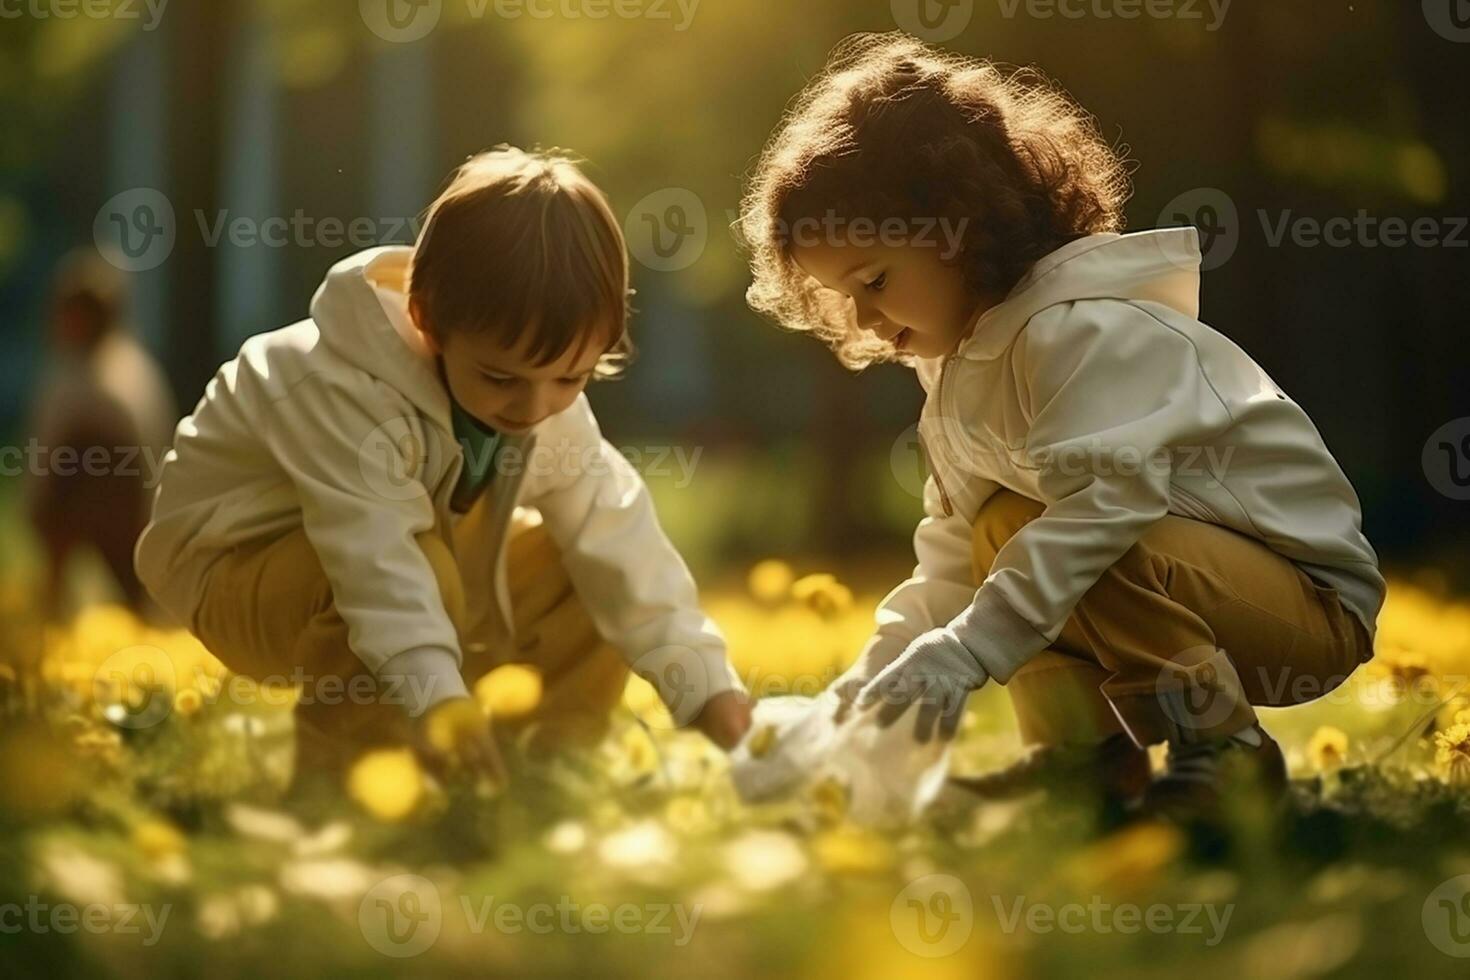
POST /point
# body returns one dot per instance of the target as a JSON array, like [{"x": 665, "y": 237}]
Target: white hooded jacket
[
  {"x": 341, "y": 425},
  {"x": 1095, "y": 389}
]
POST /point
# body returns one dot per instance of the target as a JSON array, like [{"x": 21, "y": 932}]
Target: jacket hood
[
  {"x": 361, "y": 312},
  {"x": 1161, "y": 266}
]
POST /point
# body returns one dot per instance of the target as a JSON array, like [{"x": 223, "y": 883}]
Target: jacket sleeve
[
  {"x": 942, "y": 583},
  {"x": 363, "y": 501},
  {"x": 634, "y": 584},
  {"x": 1111, "y": 392}
]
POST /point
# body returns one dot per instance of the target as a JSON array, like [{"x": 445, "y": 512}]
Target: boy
[{"x": 342, "y": 504}]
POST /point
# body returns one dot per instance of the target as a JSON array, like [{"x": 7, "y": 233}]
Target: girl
[{"x": 1128, "y": 523}]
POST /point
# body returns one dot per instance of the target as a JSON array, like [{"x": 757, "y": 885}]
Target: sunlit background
[{"x": 339, "y": 121}]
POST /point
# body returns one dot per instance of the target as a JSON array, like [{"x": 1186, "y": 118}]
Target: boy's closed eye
[{"x": 876, "y": 284}]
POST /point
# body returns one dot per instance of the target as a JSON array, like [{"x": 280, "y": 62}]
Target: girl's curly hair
[{"x": 892, "y": 128}]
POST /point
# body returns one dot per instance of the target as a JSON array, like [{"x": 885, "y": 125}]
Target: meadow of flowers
[{"x": 145, "y": 829}]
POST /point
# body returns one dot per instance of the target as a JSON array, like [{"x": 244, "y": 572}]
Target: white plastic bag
[{"x": 889, "y": 776}]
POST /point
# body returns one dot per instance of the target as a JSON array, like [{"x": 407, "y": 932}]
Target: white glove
[{"x": 938, "y": 671}]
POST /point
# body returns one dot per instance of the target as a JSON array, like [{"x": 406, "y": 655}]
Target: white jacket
[
  {"x": 340, "y": 424},
  {"x": 1094, "y": 389}
]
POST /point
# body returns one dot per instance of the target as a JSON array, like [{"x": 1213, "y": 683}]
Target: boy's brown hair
[
  {"x": 522, "y": 243},
  {"x": 892, "y": 128}
]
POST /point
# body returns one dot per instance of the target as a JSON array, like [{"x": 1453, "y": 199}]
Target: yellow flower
[
  {"x": 387, "y": 783},
  {"x": 1128, "y": 860},
  {"x": 1452, "y": 754},
  {"x": 509, "y": 691},
  {"x": 158, "y": 839},
  {"x": 762, "y": 740},
  {"x": 770, "y": 580},
  {"x": 1408, "y": 669},
  {"x": 451, "y": 722},
  {"x": 188, "y": 702},
  {"x": 852, "y": 850},
  {"x": 1328, "y": 748},
  {"x": 830, "y": 800},
  {"x": 639, "y": 750},
  {"x": 687, "y": 815},
  {"x": 823, "y": 594}
]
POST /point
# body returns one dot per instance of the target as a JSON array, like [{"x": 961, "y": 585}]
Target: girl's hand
[
  {"x": 937, "y": 672},
  {"x": 725, "y": 718}
]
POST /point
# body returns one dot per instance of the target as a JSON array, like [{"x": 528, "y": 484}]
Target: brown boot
[
  {"x": 1200, "y": 775},
  {"x": 1113, "y": 770}
]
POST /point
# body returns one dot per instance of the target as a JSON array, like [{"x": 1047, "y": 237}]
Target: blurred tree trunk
[{"x": 200, "y": 45}]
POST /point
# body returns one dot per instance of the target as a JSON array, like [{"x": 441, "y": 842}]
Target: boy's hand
[
  {"x": 938, "y": 671},
  {"x": 456, "y": 734},
  {"x": 725, "y": 718}
]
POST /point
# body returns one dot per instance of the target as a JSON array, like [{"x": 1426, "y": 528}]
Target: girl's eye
[
  {"x": 498, "y": 380},
  {"x": 877, "y": 284}
]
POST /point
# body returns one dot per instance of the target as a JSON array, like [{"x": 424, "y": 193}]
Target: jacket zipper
[{"x": 928, "y": 456}]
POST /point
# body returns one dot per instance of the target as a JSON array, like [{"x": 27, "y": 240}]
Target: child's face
[
  {"x": 905, "y": 294},
  {"x": 502, "y": 387}
]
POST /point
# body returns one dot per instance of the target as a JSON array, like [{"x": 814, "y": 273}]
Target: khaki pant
[
  {"x": 1192, "y": 626},
  {"x": 267, "y": 612}
]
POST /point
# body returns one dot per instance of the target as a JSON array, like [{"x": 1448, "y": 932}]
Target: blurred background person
[{"x": 102, "y": 417}]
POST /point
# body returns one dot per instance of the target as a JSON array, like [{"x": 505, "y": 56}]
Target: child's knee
[{"x": 997, "y": 521}]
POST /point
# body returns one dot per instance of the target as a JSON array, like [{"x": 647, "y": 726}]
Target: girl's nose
[{"x": 868, "y": 318}]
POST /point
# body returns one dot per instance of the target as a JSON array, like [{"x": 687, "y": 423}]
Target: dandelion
[
  {"x": 823, "y": 594},
  {"x": 762, "y": 740},
  {"x": 770, "y": 581},
  {"x": 852, "y": 850},
  {"x": 158, "y": 840},
  {"x": 1407, "y": 670},
  {"x": 1328, "y": 748},
  {"x": 387, "y": 783},
  {"x": 639, "y": 752},
  {"x": 1452, "y": 754},
  {"x": 830, "y": 799},
  {"x": 687, "y": 815},
  {"x": 1130, "y": 859},
  {"x": 188, "y": 702},
  {"x": 509, "y": 691}
]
